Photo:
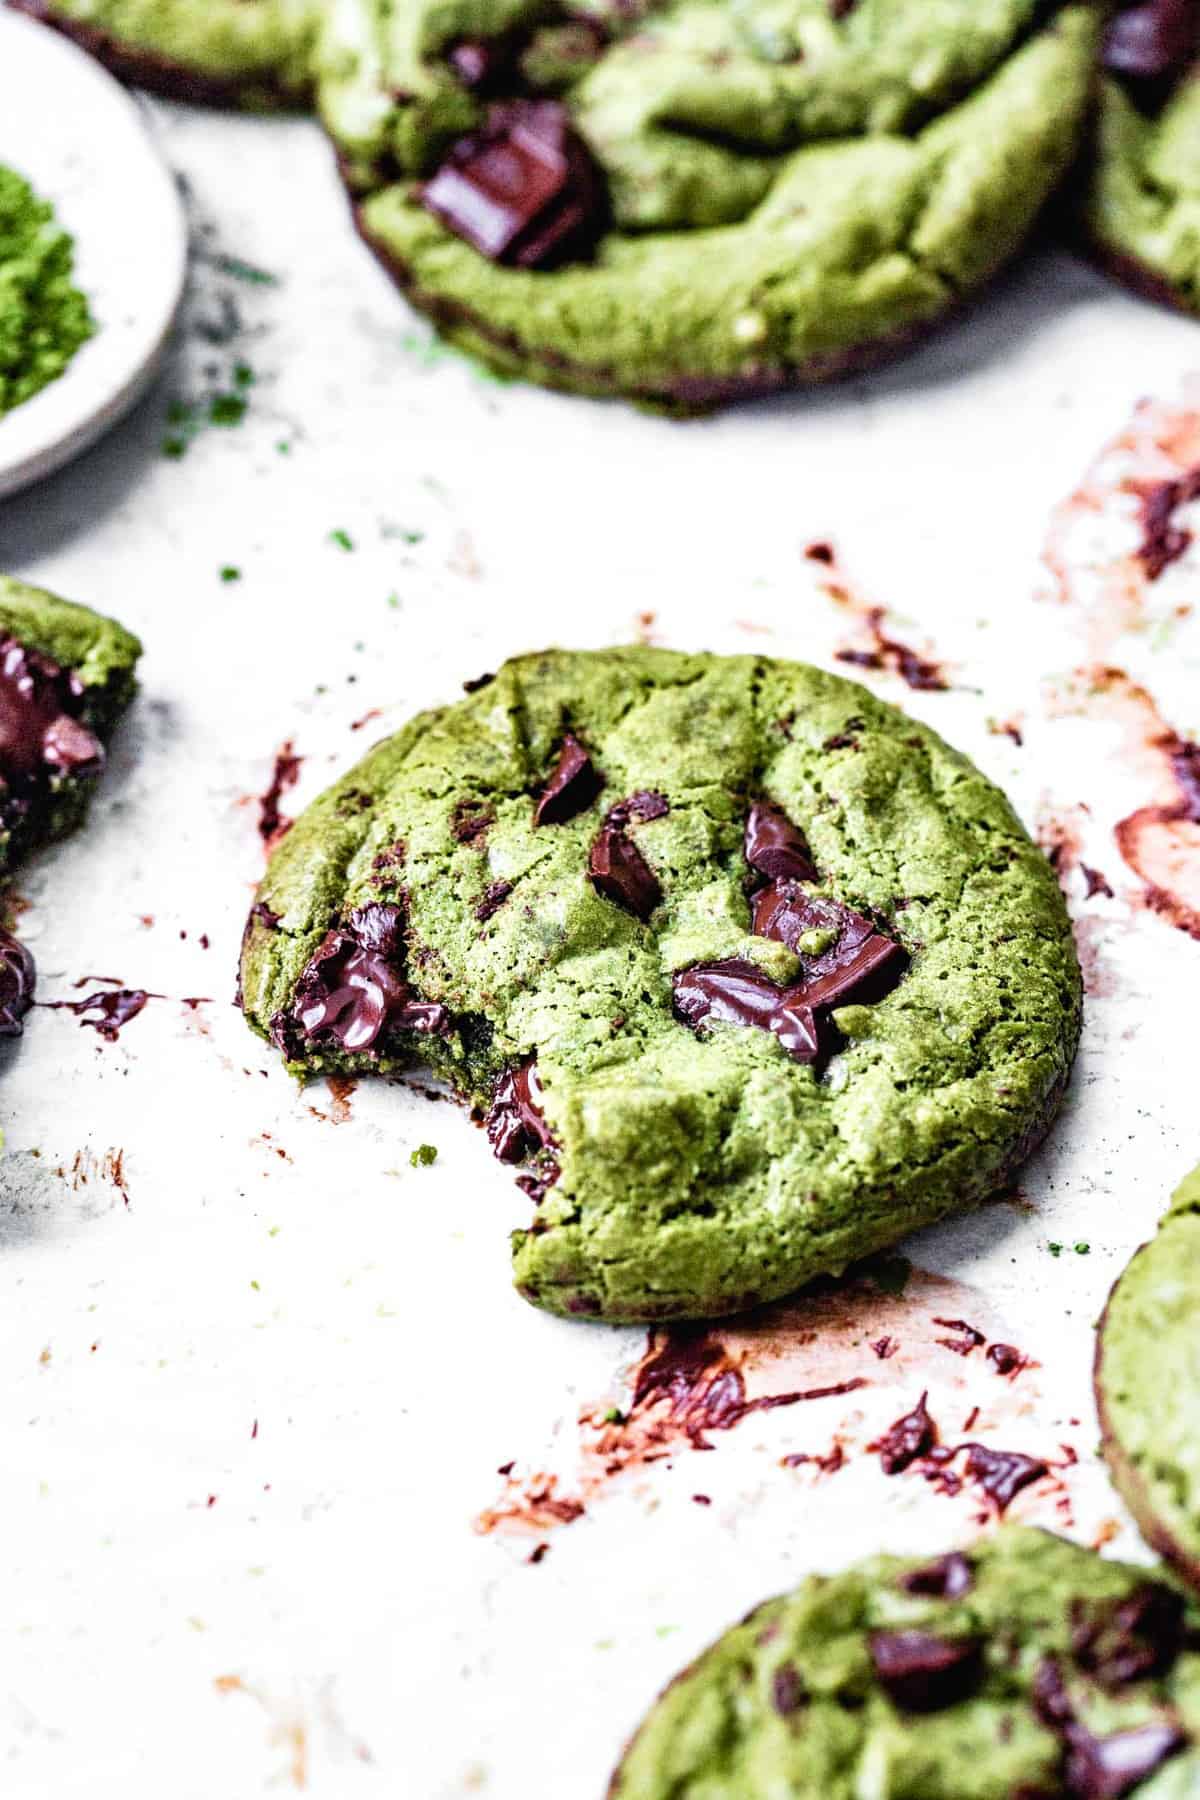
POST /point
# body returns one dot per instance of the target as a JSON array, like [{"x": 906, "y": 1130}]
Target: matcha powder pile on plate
[{"x": 43, "y": 316}]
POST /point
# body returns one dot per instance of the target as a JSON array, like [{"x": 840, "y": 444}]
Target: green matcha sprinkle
[
  {"x": 1082, "y": 1249},
  {"x": 43, "y": 316},
  {"x": 227, "y": 409},
  {"x": 342, "y": 539},
  {"x": 1055, "y": 1249},
  {"x": 423, "y": 1156},
  {"x": 230, "y": 573}
]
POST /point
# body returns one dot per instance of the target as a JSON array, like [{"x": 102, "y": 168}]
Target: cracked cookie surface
[
  {"x": 758, "y": 973},
  {"x": 1024, "y": 1668},
  {"x": 693, "y": 201},
  {"x": 1148, "y": 1383}
]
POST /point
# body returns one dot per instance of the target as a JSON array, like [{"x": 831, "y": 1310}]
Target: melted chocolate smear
[
  {"x": 691, "y": 1373},
  {"x": 112, "y": 1010},
  {"x": 1163, "y": 541},
  {"x": 620, "y": 872},
  {"x": 949, "y": 1578},
  {"x": 571, "y": 788},
  {"x": 909, "y": 1437},
  {"x": 1100, "y": 1768},
  {"x": 889, "y": 653},
  {"x": 353, "y": 989},
  {"x": 524, "y": 191},
  {"x": 1184, "y": 759},
  {"x": 272, "y": 824},
  {"x": 1153, "y": 41},
  {"x": 1002, "y": 1474},
  {"x": 1128, "y": 1640},
  {"x": 774, "y": 847},
  {"x": 18, "y": 980},
  {"x": 516, "y": 1126},
  {"x": 922, "y": 1673},
  {"x": 963, "y": 1345},
  {"x": 735, "y": 992}
]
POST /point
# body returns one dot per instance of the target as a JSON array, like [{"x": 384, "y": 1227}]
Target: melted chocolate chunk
[
  {"x": 516, "y": 1127},
  {"x": 734, "y": 992},
  {"x": 909, "y": 1437},
  {"x": 523, "y": 191},
  {"x": 1005, "y": 1358},
  {"x": 1002, "y": 1473},
  {"x": 858, "y": 960},
  {"x": 620, "y": 872},
  {"x": 787, "y": 1690},
  {"x": 39, "y": 725},
  {"x": 1152, "y": 41},
  {"x": 774, "y": 846},
  {"x": 946, "y": 1579},
  {"x": 572, "y": 787},
  {"x": 353, "y": 989},
  {"x": 1130, "y": 1639},
  {"x": 1106, "y": 1768},
  {"x": 18, "y": 979},
  {"x": 921, "y": 1673}
]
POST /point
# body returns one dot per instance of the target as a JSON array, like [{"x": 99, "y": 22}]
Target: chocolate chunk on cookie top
[
  {"x": 965, "y": 1679},
  {"x": 66, "y": 675},
  {"x": 1147, "y": 1382},
  {"x": 748, "y": 993},
  {"x": 692, "y": 201}
]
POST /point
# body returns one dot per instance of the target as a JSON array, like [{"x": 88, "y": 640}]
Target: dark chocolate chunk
[
  {"x": 1153, "y": 40},
  {"x": 787, "y": 1690},
  {"x": 494, "y": 897},
  {"x": 922, "y": 1673},
  {"x": 571, "y": 788},
  {"x": 1105, "y": 1768},
  {"x": 946, "y": 1579},
  {"x": 857, "y": 958},
  {"x": 1130, "y": 1639},
  {"x": 354, "y": 988},
  {"x": 909, "y": 1437},
  {"x": 642, "y": 805},
  {"x": 968, "y": 1339},
  {"x": 774, "y": 846},
  {"x": 734, "y": 992},
  {"x": 620, "y": 872},
  {"x": 18, "y": 980},
  {"x": 523, "y": 191},
  {"x": 1005, "y": 1358},
  {"x": 1002, "y": 1473},
  {"x": 516, "y": 1127}
]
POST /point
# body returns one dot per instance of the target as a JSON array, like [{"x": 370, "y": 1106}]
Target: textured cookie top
[
  {"x": 1148, "y": 1382},
  {"x": 1023, "y": 1669},
  {"x": 66, "y": 675},
  {"x": 790, "y": 974}
]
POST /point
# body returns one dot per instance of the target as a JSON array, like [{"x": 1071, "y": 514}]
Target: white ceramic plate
[{"x": 82, "y": 141}]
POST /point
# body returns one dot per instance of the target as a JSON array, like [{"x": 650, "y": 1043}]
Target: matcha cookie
[
  {"x": 221, "y": 52},
  {"x": 1148, "y": 1384},
  {"x": 756, "y": 973},
  {"x": 1022, "y": 1669},
  {"x": 1142, "y": 206},
  {"x": 693, "y": 201},
  {"x": 66, "y": 676}
]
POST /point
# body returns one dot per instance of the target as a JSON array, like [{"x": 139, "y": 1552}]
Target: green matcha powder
[{"x": 43, "y": 316}]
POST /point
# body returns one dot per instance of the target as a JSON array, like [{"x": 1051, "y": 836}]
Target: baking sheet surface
[{"x": 261, "y": 1372}]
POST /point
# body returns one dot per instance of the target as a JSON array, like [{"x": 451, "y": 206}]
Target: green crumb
[
  {"x": 43, "y": 317},
  {"x": 342, "y": 539},
  {"x": 1082, "y": 1249},
  {"x": 614, "y": 1416},
  {"x": 243, "y": 375},
  {"x": 227, "y": 409},
  {"x": 1055, "y": 1249},
  {"x": 230, "y": 573},
  {"x": 394, "y": 602},
  {"x": 424, "y": 1156}
]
